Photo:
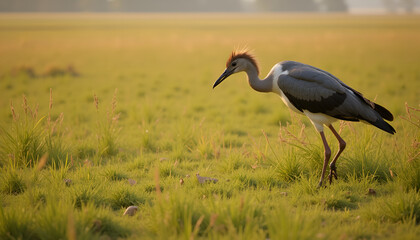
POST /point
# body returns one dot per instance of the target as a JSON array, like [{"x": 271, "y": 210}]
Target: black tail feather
[
  {"x": 381, "y": 124},
  {"x": 385, "y": 114}
]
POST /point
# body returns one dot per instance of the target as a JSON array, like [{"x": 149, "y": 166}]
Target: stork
[{"x": 319, "y": 95}]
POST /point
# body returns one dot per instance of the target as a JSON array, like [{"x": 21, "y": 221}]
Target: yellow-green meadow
[{"x": 99, "y": 112}]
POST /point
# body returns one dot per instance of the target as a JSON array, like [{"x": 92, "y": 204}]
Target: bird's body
[
  {"x": 318, "y": 119},
  {"x": 319, "y": 95},
  {"x": 322, "y": 97}
]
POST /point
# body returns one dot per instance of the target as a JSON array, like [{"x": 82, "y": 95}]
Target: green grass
[
  {"x": 100, "y": 112},
  {"x": 12, "y": 183}
]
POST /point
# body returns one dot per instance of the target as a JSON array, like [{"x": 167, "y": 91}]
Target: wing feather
[
  {"x": 307, "y": 88},
  {"x": 315, "y": 90}
]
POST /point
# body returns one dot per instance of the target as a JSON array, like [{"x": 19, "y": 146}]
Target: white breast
[{"x": 276, "y": 71}]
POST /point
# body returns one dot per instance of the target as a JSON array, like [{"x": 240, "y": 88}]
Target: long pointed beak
[{"x": 222, "y": 77}]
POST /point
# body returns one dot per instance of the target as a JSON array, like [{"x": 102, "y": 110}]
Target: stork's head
[{"x": 237, "y": 62}]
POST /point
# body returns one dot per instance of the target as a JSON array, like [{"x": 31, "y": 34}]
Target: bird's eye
[{"x": 233, "y": 64}]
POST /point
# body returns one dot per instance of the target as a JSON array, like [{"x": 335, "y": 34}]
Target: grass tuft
[
  {"x": 23, "y": 144},
  {"x": 408, "y": 173},
  {"x": 51, "y": 221},
  {"x": 402, "y": 207},
  {"x": 290, "y": 168},
  {"x": 12, "y": 183},
  {"x": 97, "y": 222},
  {"x": 239, "y": 215},
  {"x": 107, "y": 129},
  {"x": 340, "y": 202},
  {"x": 30, "y": 138},
  {"x": 16, "y": 224},
  {"x": 123, "y": 198},
  {"x": 114, "y": 175},
  {"x": 178, "y": 217},
  {"x": 56, "y": 148},
  {"x": 284, "y": 224},
  {"x": 369, "y": 160},
  {"x": 85, "y": 195},
  {"x": 407, "y": 167},
  {"x": 37, "y": 198}
]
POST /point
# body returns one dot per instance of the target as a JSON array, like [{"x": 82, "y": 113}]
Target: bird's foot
[
  {"x": 320, "y": 185},
  {"x": 333, "y": 173}
]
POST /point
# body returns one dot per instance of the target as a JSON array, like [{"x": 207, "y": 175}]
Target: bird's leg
[
  {"x": 342, "y": 146},
  {"x": 327, "y": 155}
]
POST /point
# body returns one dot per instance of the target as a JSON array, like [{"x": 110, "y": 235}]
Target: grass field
[{"x": 100, "y": 112}]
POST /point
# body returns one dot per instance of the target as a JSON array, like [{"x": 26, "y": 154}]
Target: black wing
[{"x": 308, "y": 88}]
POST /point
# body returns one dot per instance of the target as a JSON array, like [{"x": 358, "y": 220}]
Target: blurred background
[{"x": 351, "y": 6}]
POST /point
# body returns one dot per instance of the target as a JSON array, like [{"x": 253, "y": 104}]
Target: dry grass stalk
[
  {"x": 27, "y": 109},
  {"x": 57, "y": 122},
  {"x": 287, "y": 137},
  {"x": 112, "y": 117},
  {"x": 157, "y": 185},
  {"x": 50, "y": 108},
  {"x": 71, "y": 227},
  {"x": 197, "y": 227},
  {"x": 52, "y": 126},
  {"x": 96, "y": 102},
  {"x": 35, "y": 112},
  {"x": 257, "y": 147},
  {"x": 51, "y": 100},
  {"x": 213, "y": 219},
  {"x": 241, "y": 204},
  {"x": 412, "y": 158},
  {"x": 114, "y": 102},
  {"x": 12, "y": 109},
  {"x": 268, "y": 142},
  {"x": 42, "y": 162},
  {"x": 25, "y": 105},
  {"x": 411, "y": 116}
]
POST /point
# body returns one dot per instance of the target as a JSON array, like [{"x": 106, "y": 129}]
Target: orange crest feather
[{"x": 242, "y": 54}]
